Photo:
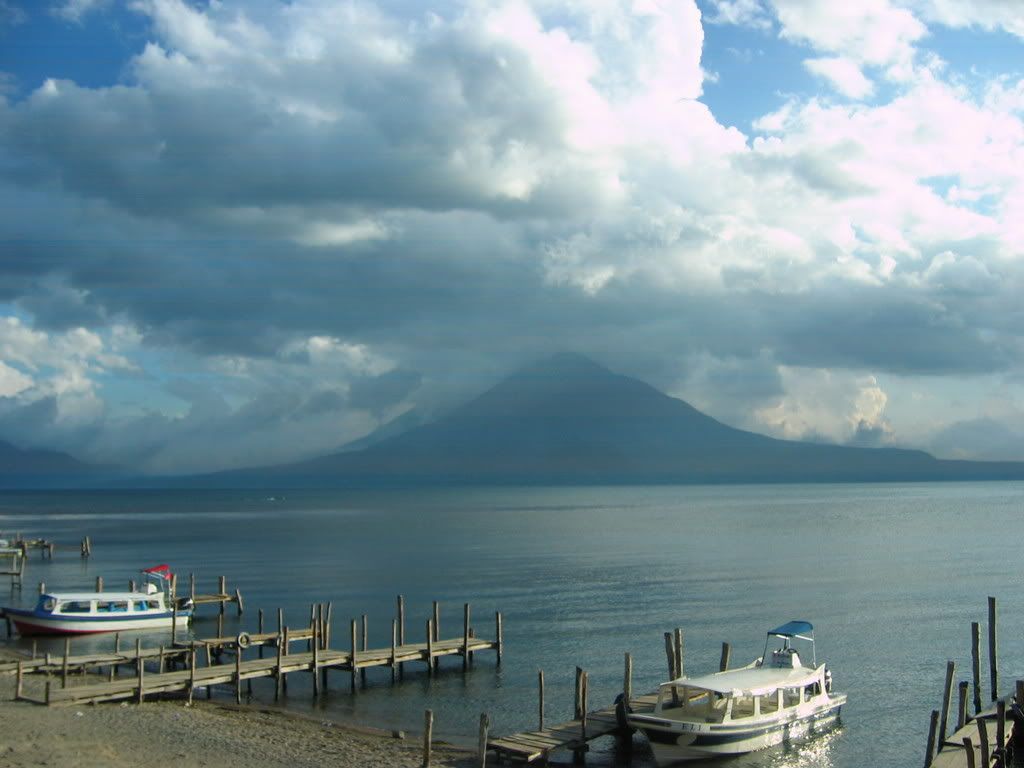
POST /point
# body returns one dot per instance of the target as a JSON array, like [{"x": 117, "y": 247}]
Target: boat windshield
[{"x": 74, "y": 606}]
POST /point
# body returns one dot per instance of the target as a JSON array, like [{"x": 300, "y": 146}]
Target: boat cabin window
[
  {"x": 111, "y": 606},
  {"x": 146, "y": 605},
  {"x": 790, "y": 697},
  {"x": 770, "y": 702},
  {"x": 742, "y": 706},
  {"x": 75, "y": 606},
  {"x": 812, "y": 690}
]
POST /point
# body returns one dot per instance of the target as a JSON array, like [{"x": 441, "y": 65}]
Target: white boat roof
[
  {"x": 105, "y": 596},
  {"x": 751, "y": 681}
]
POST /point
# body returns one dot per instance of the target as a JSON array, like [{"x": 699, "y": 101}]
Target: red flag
[{"x": 163, "y": 571}]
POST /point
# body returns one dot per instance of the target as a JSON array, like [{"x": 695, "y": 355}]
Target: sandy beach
[{"x": 210, "y": 734}]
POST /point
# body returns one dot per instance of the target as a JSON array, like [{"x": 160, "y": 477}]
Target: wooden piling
[
  {"x": 192, "y": 586},
  {"x": 499, "y": 640},
  {"x": 42, "y": 587},
  {"x": 140, "y": 668},
  {"x": 961, "y": 706},
  {"x": 64, "y": 665},
  {"x": 131, "y": 585},
  {"x": 99, "y": 583},
  {"x": 723, "y": 662},
  {"x": 540, "y": 699},
  {"x": 174, "y": 620},
  {"x": 947, "y": 694},
  {"x": 315, "y": 664},
  {"x": 983, "y": 738},
  {"x": 191, "y": 673},
  {"x": 161, "y": 660},
  {"x": 401, "y": 631},
  {"x": 238, "y": 601},
  {"x": 327, "y": 624},
  {"x": 485, "y": 724},
  {"x": 969, "y": 752},
  {"x": 932, "y": 728},
  {"x": 19, "y": 684},
  {"x": 259, "y": 628},
  {"x": 627, "y": 679},
  {"x": 365, "y": 647},
  {"x": 394, "y": 648},
  {"x": 238, "y": 673},
  {"x": 679, "y": 652},
  {"x": 430, "y": 647},
  {"x": 222, "y": 589},
  {"x": 670, "y": 656},
  {"x": 465, "y": 637},
  {"x": 428, "y": 730},
  {"x": 993, "y": 650},
  {"x": 354, "y": 664},
  {"x": 1001, "y": 731},
  {"x": 976, "y": 664},
  {"x": 280, "y": 656}
]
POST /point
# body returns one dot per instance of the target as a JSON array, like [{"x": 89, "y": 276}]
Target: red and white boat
[{"x": 79, "y": 613}]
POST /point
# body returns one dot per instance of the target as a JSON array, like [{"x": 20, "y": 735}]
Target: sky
[{"x": 241, "y": 232}]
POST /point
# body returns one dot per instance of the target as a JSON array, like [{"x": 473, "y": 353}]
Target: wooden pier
[
  {"x": 318, "y": 659},
  {"x": 989, "y": 736}
]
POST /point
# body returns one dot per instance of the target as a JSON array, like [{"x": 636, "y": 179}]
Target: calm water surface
[{"x": 890, "y": 575}]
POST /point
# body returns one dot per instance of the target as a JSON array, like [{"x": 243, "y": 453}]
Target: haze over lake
[{"x": 890, "y": 575}]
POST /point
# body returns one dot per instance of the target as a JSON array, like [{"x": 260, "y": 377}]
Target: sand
[{"x": 171, "y": 733}]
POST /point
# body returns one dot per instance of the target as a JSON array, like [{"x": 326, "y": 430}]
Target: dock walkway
[
  {"x": 530, "y": 746},
  {"x": 195, "y": 677}
]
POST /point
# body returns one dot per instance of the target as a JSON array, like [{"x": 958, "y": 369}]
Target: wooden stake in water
[
  {"x": 428, "y": 729},
  {"x": 961, "y": 706},
  {"x": 485, "y": 724},
  {"x": 976, "y": 664},
  {"x": 993, "y": 649},
  {"x": 540, "y": 699},
  {"x": 947, "y": 694},
  {"x": 932, "y": 728}
]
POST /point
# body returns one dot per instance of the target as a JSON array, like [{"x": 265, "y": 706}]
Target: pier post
[
  {"x": 354, "y": 665},
  {"x": 969, "y": 752},
  {"x": 284, "y": 652},
  {"x": 540, "y": 699},
  {"x": 191, "y": 673},
  {"x": 947, "y": 694},
  {"x": 222, "y": 589},
  {"x": 976, "y": 664},
  {"x": 64, "y": 666},
  {"x": 238, "y": 601},
  {"x": 174, "y": 620},
  {"x": 140, "y": 667},
  {"x": 679, "y": 652},
  {"x": 627, "y": 680},
  {"x": 961, "y": 707},
  {"x": 1018, "y": 733},
  {"x": 401, "y": 631},
  {"x": 485, "y": 724},
  {"x": 723, "y": 663},
  {"x": 259, "y": 629},
  {"x": 394, "y": 644},
  {"x": 436, "y": 612},
  {"x": 932, "y": 728},
  {"x": 365, "y": 646},
  {"x": 1001, "y": 732},
  {"x": 428, "y": 730},
  {"x": 278, "y": 677},
  {"x": 42, "y": 587},
  {"x": 238, "y": 674},
  {"x": 993, "y": 649},
  {"x": 465, "y": 637},
  {"x": 192, "y": 586},
  {"x": 99, "y": 583},
  {"x": 499, "y": 640},
  {"x": 983, "y": 738},
  {"x": 314, "y": 665},
  {"x": 19, "y": 685},
  {"x": 430, "y": 647},
  {"x": 162, "y": 660},
  {"x": 670, "y": 656}
]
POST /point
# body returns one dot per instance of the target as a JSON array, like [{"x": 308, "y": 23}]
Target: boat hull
[
  {"x": 32, "y": 623},
  {"x": 672, "y": 746}
]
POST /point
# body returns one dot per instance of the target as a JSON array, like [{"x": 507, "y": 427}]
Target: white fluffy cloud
[{"x": 844, "y": 75}]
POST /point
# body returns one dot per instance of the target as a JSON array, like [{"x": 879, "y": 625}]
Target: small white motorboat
[
  {"x": 79, "y": 613},
  {"x": 773, "y": 700}
]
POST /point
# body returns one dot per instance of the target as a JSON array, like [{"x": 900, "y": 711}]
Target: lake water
[{"x": 890, "y": 575}]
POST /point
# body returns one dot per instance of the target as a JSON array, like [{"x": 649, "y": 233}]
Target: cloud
[
  {"x": 844, "y": 75},
  {"x": 76, "y": 10},
  {"x": 743, "y": 13},
  {"x": 288, "y": 222},
  {"x": 982, "y": 14},
  {"x": 873, "y": 32}
]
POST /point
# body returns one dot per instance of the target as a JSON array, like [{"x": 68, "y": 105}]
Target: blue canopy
[{"x": 793, "y": 629}]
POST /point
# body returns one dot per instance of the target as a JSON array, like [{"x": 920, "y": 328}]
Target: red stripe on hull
[{"x": 27, "y": 630}]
